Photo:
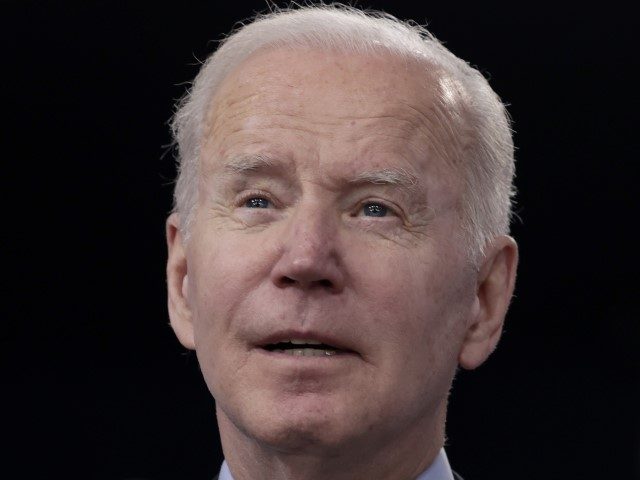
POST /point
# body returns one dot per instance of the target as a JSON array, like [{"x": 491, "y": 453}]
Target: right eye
[
  {"x": 374, "y": 209},
  {"x": 257, "y": 202}
]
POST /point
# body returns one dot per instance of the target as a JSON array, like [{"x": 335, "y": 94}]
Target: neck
[{"x": 403, "y": 455}]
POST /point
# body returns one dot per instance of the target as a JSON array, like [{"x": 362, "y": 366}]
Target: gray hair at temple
[{"x": 488, "y": 164}]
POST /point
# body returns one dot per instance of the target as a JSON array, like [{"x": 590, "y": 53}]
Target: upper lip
[{"x": 282, "y": 336}]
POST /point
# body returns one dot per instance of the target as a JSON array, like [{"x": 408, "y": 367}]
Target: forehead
[
  {"x": 379, "y": 103},
  {"x": 331, "y": 72},
  {"x": 335, "y": 84}
]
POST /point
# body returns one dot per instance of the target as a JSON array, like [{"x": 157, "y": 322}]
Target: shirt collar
[
  {"x": 225, "y": 473},
  {"x": 439, "y": 469}
]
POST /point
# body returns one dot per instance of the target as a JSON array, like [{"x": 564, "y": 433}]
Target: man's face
[{"x": 327, "y": 215}]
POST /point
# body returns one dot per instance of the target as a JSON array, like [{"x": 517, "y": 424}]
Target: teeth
[
  {"x": 297, "y": 341},
  {"x": 307, "y": 352}
]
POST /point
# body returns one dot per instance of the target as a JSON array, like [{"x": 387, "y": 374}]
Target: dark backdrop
[{"x": 94, "y": 383}]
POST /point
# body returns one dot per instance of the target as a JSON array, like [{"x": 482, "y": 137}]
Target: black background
[{"x": 94, "y": 383}]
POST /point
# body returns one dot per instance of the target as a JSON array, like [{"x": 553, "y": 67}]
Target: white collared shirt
[{"x": 439, "y": 469}]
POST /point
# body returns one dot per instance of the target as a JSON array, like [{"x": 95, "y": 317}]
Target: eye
[
  {"x": 257, "y": 202},
  {"x": 372, "y": 209}
]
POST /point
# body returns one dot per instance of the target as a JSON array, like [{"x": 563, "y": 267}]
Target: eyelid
[{"x": 392, "y": 208}]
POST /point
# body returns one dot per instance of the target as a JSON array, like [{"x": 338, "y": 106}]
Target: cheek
[
  {"x": 223, "y": 268},
  {"x": 418, "y": 300}
]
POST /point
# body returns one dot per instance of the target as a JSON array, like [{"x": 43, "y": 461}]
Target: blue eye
[
  {"x": 374, "y": 210},
  {"x": 257, "y": 202}
]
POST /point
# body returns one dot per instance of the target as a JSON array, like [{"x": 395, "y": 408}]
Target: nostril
[
  {"x": 287, "y": 281},
  {"x": 325, "y": 283}
]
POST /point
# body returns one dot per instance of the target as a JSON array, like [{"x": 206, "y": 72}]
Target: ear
[
  {"x": 178, "y": 284},
  {"x": 496, "y": 280}
]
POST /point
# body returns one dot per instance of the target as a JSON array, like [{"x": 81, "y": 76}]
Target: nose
[{"x": 309, "y": 257}]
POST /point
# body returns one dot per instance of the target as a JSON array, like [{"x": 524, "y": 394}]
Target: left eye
[
  {"x": 374, "y": 210},
  {"x": 257, "y": 202}
]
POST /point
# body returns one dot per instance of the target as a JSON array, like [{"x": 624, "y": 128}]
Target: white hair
[{"x": 488, "y": 166}]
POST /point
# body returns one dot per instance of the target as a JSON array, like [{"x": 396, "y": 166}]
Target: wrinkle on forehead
[{"x": 326, "y": 95}]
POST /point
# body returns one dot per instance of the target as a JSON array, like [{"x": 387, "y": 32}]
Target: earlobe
[
  {"x": 178, "y": 284},
  {"x": 496, "y": 281}
]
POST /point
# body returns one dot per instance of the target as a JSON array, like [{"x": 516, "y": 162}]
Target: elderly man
[{"x": 339, "y": 242}]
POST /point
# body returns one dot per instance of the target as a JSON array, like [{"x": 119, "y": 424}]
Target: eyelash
[
  {"x": 392, "y": 209},
  {"x": 246, "y": 196}
]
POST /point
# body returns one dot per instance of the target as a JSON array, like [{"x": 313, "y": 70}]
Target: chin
[
  {"x": 306, "y": 423},
  {"x": 297, "y": 439},
  {"x": 302, "y": 440}
]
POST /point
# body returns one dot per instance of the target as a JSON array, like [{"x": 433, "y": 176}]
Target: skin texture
[{"x": 312, "y": 136}]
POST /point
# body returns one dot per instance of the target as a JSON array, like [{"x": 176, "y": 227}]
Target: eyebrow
[
  {"x": 387, "y": 176},
  {"x": 249, "y": 163}
]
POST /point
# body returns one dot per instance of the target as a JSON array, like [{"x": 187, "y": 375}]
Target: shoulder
[{"x": 456, "y": 476}]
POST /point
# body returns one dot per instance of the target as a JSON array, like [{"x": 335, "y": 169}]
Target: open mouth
[{"x": 304, "y": 348}]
